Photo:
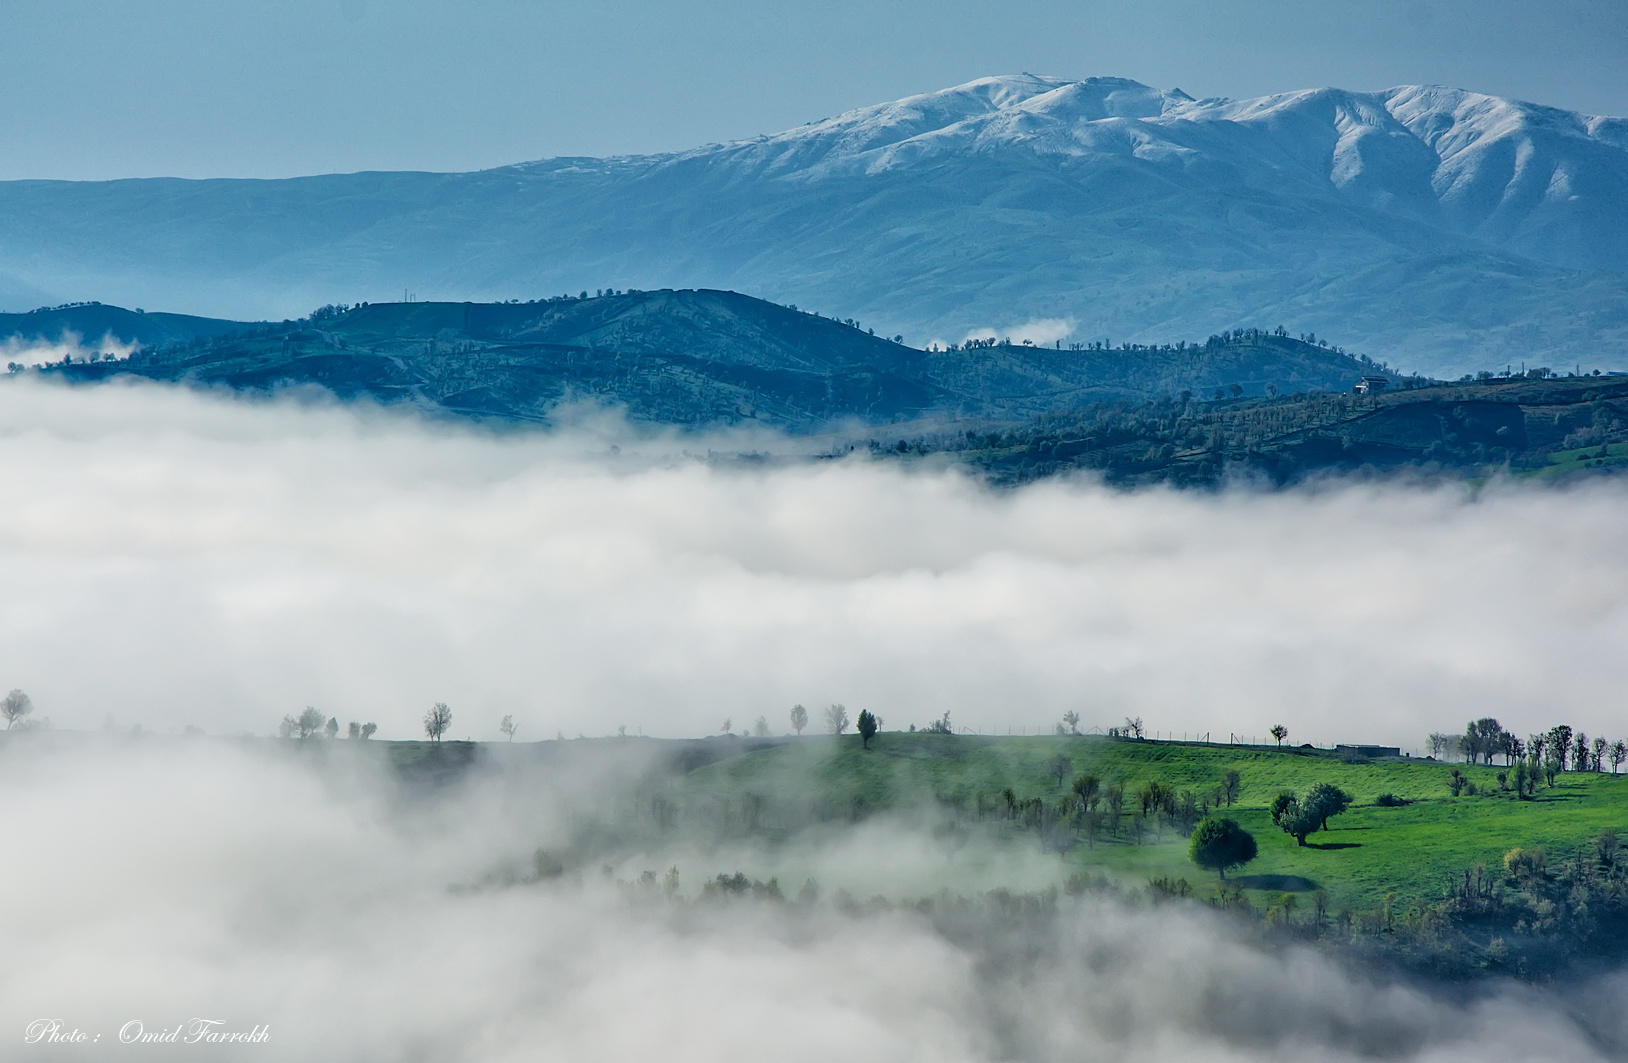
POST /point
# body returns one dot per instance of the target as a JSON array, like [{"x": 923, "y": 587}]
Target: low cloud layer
[
  {"x": 33, "y": 352},
  {"x": 164, "y": 880},
  {"x": 1043, "y": 331},
  {"x": 174, "y": 558}
]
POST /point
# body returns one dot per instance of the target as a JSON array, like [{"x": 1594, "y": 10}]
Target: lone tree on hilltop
[
  {"x": 508, "y": 727},
  {"x": 1279, "y": 732},
  {"x": 799, "y": 718},
  {"x": 868, "y": 723},
  {"x": 836, "y": 719},
  {"x": 15, "y": 707},
  {"x": 1218, "y": 844},
  {"x": 1072, "y": 718},
  {"x": 437, "y": 720}
]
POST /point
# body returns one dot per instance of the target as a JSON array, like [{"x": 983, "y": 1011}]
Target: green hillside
[{"x": 1412, "y": 852}]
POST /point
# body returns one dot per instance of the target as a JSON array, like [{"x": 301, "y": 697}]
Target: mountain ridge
[{"x": 700, "y": 358}]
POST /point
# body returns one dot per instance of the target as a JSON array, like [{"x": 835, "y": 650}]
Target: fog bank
[
  {"x": 172, "y": 558},
  {"x": 168, "y": 879}
]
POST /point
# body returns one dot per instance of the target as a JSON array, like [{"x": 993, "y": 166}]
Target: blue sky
[{"x": 256, "y": 88}]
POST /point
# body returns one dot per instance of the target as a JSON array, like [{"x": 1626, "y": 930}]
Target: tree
[
  {"x": 1560, "y": 744},
  {"x": 1072, "y": 718},
  {"x": 437, "y": 720},
  {"x": 1440, "y": 743},
  {"x": 761, "y": 728},
  {"x": 836, "y": 719},
  {"x": 1619, "y": 753},
  {"x": 868, "y": 723},
  {"x": 1218, "y": 844},
  {"x": 309, "y": 722},
  {"x": 354, "y": 730},
  {"x": 1085, "y": 788},
  {"x": 1327, "y": 800},
  {"x": 1294, "y": 816},
  {"x": 15, "y": 707},
  {"x": 1133, "y": 727},
  {"x": 1058, "y": 767},
  {"x": 799, "y": 718},
  {"x": 1230, "y": 785},
  {"x": 508, "y": 727},
  {"x": 332, "y": 727},
  {"x": 368, "y": 729},
  {"x": 1599, "y": 747},
  {"x": 1279, "y": 732},
  {"x": 1579, "y": 760}
]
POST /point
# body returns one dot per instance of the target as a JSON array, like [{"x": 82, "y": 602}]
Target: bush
[{"x": 1390, "y": 800}]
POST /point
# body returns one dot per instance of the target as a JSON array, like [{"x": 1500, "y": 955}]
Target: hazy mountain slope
[
  {"x": 706, "y": 357},
  {"x": 93, "y": 323},
  {"x": 1441, "y": 229}
]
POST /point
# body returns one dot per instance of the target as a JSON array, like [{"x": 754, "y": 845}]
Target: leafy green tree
[
  {"x": 1560, "y": 744},
  {"x": 1218, "y": 844},
  {"x": 1327, "y": 800},
  {"x": 1294, "y": 816},
  {"x": 799, "y": 718},
  {"x": 1086, "y": 788},
  {"x": 1619, "y": 753},
  {"x": 868, "y": 723},
  {"x": 1279, "y": 732}
]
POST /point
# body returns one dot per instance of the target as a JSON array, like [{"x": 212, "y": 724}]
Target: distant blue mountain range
[{"x": 1441, "y": 230}]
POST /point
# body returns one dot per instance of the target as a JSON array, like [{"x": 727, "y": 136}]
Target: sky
[{"x": 195, "y": 88}]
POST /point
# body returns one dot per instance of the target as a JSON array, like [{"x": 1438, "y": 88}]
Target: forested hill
[
  {"x": 1529, "y": 426},
  {"x": 696, "y": 358}
]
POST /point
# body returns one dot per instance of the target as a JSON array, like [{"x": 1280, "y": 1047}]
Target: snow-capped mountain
[{"x": 1440, "y": 229}]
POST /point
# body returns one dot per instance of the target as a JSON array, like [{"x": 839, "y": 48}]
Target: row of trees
[
  {"x": 309, "y": 724},
  {"x": 1558, "y": 748}
]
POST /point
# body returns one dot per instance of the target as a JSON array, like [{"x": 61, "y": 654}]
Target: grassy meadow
[{"x": 1369, "y": 853}]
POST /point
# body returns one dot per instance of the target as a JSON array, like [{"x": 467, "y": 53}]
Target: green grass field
[{"x": 1369, "y": 852}]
